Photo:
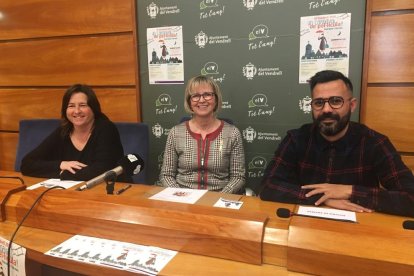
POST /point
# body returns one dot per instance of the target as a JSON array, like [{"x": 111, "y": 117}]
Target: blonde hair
[{"x": 196, "y": 81}]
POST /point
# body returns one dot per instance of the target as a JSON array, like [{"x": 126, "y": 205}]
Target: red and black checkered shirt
[{"x": 363, "y": 158}]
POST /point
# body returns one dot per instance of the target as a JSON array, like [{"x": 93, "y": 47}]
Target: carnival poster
[
  {"x": 324, "y": 44},
  {"x": 165, "y": 55}
]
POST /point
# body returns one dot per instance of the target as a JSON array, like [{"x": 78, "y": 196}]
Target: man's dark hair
[{"x": 327, "y": 76}]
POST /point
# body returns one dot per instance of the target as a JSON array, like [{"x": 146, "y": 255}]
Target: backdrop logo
[
  {"x": 225, "y": 105},
  {"x": 258, "y": 162},
  {"x": 259, "y": 106},
  {"x": 249, "y": 134},
  {"x": 250, "y": 4},
  {"x": 259, "y": 31},
  {"x": 210, "y": 8},
  {"x": 164, "y": 106},
  {"x": 157, "y": 130},
  {"x": 256, "y": 167},
  {"x": 260, "y": 34},
  {"x": 258, "y": 100},
  {"x": 163, "y": 99},
  {"x": 201, "y": 39},
  {"x": 153, "y": 10},
  {"x": 249, "y": 71},
  {"x": 211, "y": 69},
  {"x": 305, "y": 105},
  {"x": 208, "y": 4},
  {"x": 315, "y": 5}
]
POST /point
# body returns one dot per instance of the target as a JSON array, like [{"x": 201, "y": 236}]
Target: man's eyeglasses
[
  {"x": 206, "y": 96},
  {"x": 335, "y": 102}
]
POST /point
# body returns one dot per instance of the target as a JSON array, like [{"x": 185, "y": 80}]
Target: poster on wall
[
  {"x": 165, "y": 55},
  {"x": 324, "y": 44}
]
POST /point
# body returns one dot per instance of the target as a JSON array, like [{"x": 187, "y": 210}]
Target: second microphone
[{"x": 129, "y": 165}]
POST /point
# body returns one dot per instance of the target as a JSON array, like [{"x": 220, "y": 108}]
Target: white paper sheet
[
  {"x": 180, "y": 195},
  {"x": 327, "y": 213},
  {"x": 226, "y": 203},
  {"x": 49, "y": 183},
  {"x": 115, "y": 254}
]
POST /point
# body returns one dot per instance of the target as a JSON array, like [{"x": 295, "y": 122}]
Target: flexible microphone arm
[{"x": 13, "y": 177}]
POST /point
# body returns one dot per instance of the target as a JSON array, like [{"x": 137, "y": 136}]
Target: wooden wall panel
[
  {"x": 8, "y": 146},
  {"x": 388, "y": 78},
  {"x": 387, "y": 5},
  {"x": 409, "y": 161},
  {"x": 119, "y": 104},
  {"x": 390, "y": 110},
  {"x": 48, "y": 45},
  {"x": 391, "y": 49},
  {"x": 46, "y": 18},
  {"x": 101, "y": 60}
]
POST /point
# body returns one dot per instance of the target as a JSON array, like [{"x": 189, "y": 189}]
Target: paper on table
[
  {"x": 179, "y": 195},
  {"x": 225, "y": 203},
  {"x": 120, "y": 255},
  {"x": 18, "y": 255},
  {"x": 54, "y": 182},
  {"x": 327, "y": 213}
]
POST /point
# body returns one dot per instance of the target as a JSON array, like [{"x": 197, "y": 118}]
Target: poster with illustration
[
  {"x": 165, "y": 55},
  {"x": 115, "y": 254},
  {"x": 324, "y": 44}
]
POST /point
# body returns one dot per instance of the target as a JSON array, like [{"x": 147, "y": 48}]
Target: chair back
[
  {"x": 135, "y": 139},
  {"x": 31, "y": 133}
]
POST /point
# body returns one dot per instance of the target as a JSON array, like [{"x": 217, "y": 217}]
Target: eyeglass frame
[
  {"x": 204, "y": 94},
  {"x": 326, "y": 100}
]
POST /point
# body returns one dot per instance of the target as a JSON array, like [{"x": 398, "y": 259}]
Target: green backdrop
[{"x": 263, "y": 107}]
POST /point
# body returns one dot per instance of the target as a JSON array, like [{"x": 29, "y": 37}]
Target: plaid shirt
[
  {"x": 363, "y": 158},
  {"x": 215, "y": 163}
]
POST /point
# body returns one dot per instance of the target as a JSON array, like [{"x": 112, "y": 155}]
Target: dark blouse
[{"x": 101, "y": 153}]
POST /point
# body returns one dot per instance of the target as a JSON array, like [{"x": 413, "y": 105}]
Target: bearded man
[{"x": 336, "y": 162}]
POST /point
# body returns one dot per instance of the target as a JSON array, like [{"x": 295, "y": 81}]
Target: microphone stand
[
  {"x": 13, "y": 177},
  {"x": 110, "y": 179}
]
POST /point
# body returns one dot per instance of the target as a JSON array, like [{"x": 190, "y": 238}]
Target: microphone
[
  {"x": 286, "y": 213},
  {"x": 129, "y": 165},
  {"x": 408, "y": 224}
]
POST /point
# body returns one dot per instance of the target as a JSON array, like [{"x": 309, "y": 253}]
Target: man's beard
[{"x": 332, "y": 129}]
